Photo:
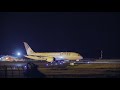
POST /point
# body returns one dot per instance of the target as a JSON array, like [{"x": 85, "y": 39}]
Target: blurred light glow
[
  {"x": 61, "y": 57},
  {"x": 18, "y": 53}
]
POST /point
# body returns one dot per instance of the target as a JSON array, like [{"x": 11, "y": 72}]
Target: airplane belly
[
  {"x": 36, "y": 58},
  {"x": 72, "y": 58}
]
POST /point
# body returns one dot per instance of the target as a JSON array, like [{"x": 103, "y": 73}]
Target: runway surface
[{"x": 81, "y": 69}]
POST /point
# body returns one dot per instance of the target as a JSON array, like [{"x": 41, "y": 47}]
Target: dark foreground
[{"x": 18, "y": 70}]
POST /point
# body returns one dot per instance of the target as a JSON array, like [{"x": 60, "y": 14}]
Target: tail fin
[{"x": 28, "y": 49}]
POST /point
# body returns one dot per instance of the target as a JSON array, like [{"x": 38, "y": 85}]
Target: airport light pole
[{"x": 101, "y": 54}]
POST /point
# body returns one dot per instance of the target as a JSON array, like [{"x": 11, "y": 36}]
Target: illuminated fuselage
[{"x": 56, "y": 55}]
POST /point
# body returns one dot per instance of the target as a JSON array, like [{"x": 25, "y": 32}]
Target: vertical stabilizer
[{"x": 28, "y": 49}]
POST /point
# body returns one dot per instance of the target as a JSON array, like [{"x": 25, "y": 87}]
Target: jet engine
[{"x": 50, "y": 59}]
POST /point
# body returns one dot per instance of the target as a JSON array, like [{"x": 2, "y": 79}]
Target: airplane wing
[{"x": 49, "y": 59}]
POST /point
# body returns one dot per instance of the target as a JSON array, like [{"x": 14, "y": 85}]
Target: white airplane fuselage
[{"x": 57, "y": 55}]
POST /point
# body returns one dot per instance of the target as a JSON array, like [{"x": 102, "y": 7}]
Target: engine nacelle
[{"x": 50, "y": 59}]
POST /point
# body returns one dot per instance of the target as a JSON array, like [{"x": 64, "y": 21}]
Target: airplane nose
[{"x": 81, "y": 57}]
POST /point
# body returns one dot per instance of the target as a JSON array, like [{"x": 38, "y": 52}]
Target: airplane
[{"x": 51, "y": 56}]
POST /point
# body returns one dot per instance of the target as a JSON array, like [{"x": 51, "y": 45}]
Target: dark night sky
[{"x": 84, "y": 32}]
